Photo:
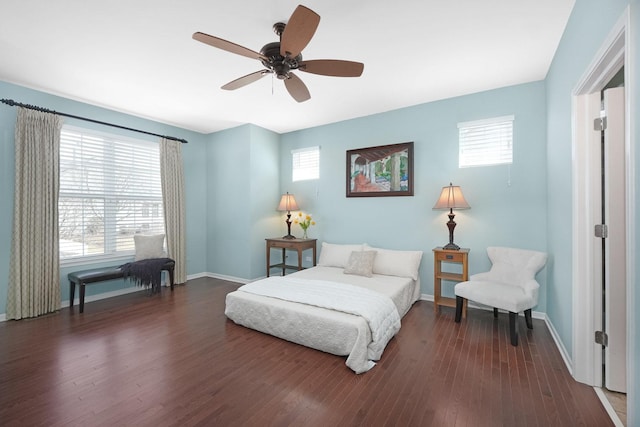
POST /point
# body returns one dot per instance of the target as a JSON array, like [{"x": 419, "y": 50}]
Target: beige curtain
[
  {"x": 34, "y": 271},
  {"x": 172, "y": 175}
]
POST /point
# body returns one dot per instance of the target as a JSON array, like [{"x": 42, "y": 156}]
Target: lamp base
[
  {"x": 289, "y": 236},
  {"x": 451, "y": 225}
]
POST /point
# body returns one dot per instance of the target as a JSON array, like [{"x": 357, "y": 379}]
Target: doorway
[{"x": 589, "y": 361}]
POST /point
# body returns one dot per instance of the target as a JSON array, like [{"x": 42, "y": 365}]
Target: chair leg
[
  {"x": 527, "y": 317},
  {"x": 495, "y": 312},
  {"x": 459, "y": 304},
  {"x": 513, "y": 330}
]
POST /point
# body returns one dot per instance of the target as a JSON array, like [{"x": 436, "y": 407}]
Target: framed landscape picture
[{"x": 386, "y": 170}]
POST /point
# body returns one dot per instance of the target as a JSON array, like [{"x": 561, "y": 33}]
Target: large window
[
  {"x": 486, "y": 142},
  {"x": 109, "y": 191},
  {"x": 306, "y": 163}
]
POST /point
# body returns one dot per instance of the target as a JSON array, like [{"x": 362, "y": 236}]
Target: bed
[{"x": 362, "y": 292}]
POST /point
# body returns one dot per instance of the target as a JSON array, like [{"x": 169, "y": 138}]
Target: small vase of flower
[{"x": 305, "y": 221}]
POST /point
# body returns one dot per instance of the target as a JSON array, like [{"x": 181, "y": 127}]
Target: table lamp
[
  {"x": 288, "y": 204},
  {"x": 451, "y": 198}
]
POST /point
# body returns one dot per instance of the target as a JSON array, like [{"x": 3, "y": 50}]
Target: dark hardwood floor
[{"x": 175, "y": 360}]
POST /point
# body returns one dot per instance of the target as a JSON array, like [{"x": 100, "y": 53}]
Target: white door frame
[{"x": 586, "y": 287}]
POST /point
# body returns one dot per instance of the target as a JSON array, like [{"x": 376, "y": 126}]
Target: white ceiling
[{"x": 138, "y": 57}]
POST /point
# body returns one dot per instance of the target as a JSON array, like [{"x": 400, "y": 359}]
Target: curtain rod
[{"x": 13, "y": 103}]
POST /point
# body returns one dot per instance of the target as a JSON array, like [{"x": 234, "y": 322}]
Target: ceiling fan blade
[
  {"x": 227, "y": 45},
  {"x": 332, "y": 67},
  {"x": 245, "y": 80},
  {"x": 298, "y": 32},
  {"x": 296, "y": 88}
]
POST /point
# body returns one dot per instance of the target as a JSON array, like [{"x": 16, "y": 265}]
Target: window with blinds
[
  {"x": 306, "y": 164},
  {"x": 486, "y": 142},
  {"x": 109, "y": 191}
]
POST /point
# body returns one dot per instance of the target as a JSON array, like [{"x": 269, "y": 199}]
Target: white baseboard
[
  {"x": 224, "y": 277},
  {"x": 196, "y": 276},
  {"x": 426, "y": 297},
  {"x": 561, "y": 348}
]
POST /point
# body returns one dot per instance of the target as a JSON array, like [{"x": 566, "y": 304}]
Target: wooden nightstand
[
  {"x": 441, "y": 255},
  {"x": 299, "y": 245}
]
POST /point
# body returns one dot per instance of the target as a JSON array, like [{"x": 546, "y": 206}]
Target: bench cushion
[{"x": 96, "y": 275}]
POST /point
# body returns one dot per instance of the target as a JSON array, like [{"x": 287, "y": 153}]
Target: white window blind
[
  {"x": 486, "y": 142},
  {"x": 306, "y": 163},
  {"x": 109, "y": 191}
]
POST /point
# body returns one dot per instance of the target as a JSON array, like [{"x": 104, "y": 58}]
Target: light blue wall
[
  {"x": 590, "y": 23},
  {"x": 242, "y": 198},
  {"x": 588, "y": 26},
  {"x": 228, "y": 207},
  {"x": 264, "y": 194},
  {"x": 508, "y": 203},
  {"x": 195, "y": 177}
]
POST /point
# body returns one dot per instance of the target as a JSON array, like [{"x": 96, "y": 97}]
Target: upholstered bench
[{"x": 95, "y": 275}]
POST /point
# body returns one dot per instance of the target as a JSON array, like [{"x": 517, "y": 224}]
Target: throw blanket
[
  {"x": 376, "y": 309},
  {"x": 146, "y": 272}
]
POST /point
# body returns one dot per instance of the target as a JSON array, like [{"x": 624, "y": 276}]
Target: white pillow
[
  {"x": 332, "y": 255},
  {"x": 396, "y": 263},
  {"x": 360, "y": 263},
  {"x": 149, "y": 246}
]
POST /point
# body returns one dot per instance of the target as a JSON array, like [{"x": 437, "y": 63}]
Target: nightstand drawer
[
  {"x": 450, "y": 256},
  {"x": 283, "y": 245}
]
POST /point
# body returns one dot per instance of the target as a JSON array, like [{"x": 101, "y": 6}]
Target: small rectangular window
[
  {"x": 486, "y": 142},
  {"x": 306, "y": 163}
]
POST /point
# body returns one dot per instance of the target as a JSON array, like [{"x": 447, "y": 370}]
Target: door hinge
[
  {"x": 602, "y": 338},
  {"x": 600, "y": 124},
  {"x": 601, "y": 231}
]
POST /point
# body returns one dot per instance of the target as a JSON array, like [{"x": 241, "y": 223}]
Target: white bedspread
[
  {"x": 377, "y": 309},
  {"x": 337, "y": 332}
]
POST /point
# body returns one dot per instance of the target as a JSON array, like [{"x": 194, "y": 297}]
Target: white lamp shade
[
  {"x": 451, "y": 198},
  {"x": 288, "y": 203}
]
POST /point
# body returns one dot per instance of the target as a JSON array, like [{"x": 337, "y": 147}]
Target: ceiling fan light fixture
[{"x": 284, "y": 56}]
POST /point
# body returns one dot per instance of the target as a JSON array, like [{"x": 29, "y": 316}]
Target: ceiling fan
[{"x": 283, "y": 57}]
